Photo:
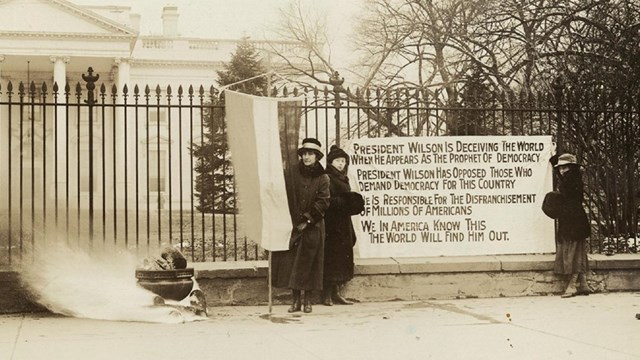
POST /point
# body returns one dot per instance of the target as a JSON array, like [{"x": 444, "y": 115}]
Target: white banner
[
  {"x": 254, "y": 141},
  {"x": 463, "y": 195}
]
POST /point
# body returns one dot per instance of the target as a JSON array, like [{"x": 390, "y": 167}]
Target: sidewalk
[{"x": 600, "y": 326}]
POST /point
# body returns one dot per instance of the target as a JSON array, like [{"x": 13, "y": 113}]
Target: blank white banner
[{"x": 254, "y": 141}]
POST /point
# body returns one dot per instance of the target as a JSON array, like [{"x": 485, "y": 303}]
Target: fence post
[
  {"x": 558, "y": 92},
  {"x": 90, "y": 79},
  {"x": 337, "y": 82}
]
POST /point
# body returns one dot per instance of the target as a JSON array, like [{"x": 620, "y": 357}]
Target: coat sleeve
[
  {"x": 337, "y": 203},
  {"x": 315, "y": 211}
]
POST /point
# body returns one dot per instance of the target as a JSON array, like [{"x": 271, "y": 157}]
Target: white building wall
[{"x": 33, "y": 50}]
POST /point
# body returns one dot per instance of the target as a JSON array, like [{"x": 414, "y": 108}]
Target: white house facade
[{"x": 56, "y": 41}]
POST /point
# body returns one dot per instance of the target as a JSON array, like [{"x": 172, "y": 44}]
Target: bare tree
[
  {"x": 309, "y": 62},
  {"x": 450, "y": 51}
]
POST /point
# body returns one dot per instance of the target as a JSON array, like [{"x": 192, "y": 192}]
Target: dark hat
[
  {"x": 567, "y": 159},
  {"x": 313, "y": 145},
  {"x": 335, "y": 153}
]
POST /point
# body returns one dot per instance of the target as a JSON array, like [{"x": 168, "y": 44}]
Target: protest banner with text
[{"x": 465, "y": 195}]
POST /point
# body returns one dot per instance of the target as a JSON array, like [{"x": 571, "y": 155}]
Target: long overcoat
[
  {"x": 301, "y": 267},
  {"x": 573, "y": 225},
  {"x": 338, "y": 248}
]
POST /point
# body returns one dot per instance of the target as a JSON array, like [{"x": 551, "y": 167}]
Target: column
[
  {"x": 124, "y": 78},
  {"x": 124, "y": 73},
  {"x": 60, "y": 71},
  {"x": 60, "y": 113}
]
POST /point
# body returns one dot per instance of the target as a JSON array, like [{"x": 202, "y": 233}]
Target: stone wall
[
  {"x": 246, "y": 283},
  {"x": 427, "y": 278}
]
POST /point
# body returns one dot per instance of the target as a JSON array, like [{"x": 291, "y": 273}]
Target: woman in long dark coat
[
  {"x": 300, "y": 268},
  {"x": 338, "y": 247},
  {"x": 573, "y": 228}
]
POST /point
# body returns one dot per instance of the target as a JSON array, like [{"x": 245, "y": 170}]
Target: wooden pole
[
  {"x": 269, "y": 252},
  {"x": 270, "y": 291}
]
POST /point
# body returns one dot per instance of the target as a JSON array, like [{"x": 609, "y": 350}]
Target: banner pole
[
  {"x": 269, "y": 275},
  {"x": 270, "y": 291}
]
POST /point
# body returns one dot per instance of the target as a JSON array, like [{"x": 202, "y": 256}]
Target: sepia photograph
[{"x": 352, "y": 179}]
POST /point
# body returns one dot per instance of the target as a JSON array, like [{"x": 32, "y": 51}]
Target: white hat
[{"x": 567, "y": 159}]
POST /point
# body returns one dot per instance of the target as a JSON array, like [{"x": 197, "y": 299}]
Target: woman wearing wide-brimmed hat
[
  {"x": 340, "y": 239},
  {"x": 300, "y": 268},
  {"x": 573, "y": 227}
]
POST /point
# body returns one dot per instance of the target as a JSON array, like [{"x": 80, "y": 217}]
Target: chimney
[
  {"x": 134, "y": 20},
  {"x": 170, "y": 21}
]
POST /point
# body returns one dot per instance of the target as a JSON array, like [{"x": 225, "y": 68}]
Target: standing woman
[
  {"x": 573, "y": 228},
  {"x": 300, "y": 268},
  {"x": 338, "y": 248}
]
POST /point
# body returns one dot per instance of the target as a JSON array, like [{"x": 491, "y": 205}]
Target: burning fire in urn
[
  {"x": 172, "y": 281},
  {"x": 163, "y": 289}
]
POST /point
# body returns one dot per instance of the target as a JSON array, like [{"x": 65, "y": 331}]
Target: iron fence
[{"x": 104, "y": 167}]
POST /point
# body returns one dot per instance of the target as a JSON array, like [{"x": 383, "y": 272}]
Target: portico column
[
  {"x": 124, "y": 78},
  {"x": 60, "y": 72},
  {"x": 124, "y": 73},
  {"x": 60, "y": 136}
]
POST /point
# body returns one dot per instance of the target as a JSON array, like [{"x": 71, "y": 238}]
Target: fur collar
[
  {"x": 314, "y": 170},
  {"x": 340, "y": 175}
]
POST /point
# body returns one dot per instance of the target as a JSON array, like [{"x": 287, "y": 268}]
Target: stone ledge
[
  {"x": 615, "y": 262},
  {"x": 376, "y": 266},
  {"x": 383, "y": 279},
  {"x": 420, "y": 265},
  {"x": 230, "y": 269},
  {"x": 451, "y": 264},
  {"x": 537, "y": 262}
]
